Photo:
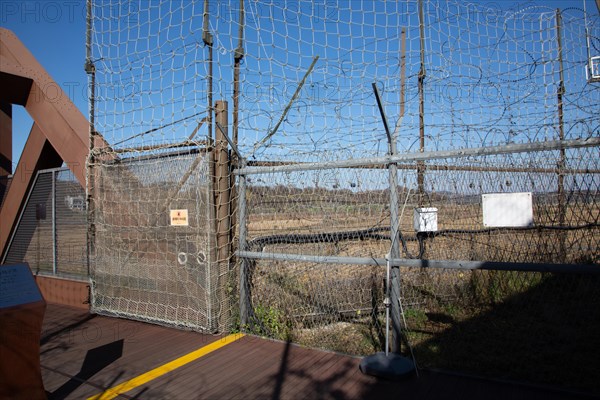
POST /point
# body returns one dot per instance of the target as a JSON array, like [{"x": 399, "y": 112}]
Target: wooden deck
[{"x": 85, "y": 355}]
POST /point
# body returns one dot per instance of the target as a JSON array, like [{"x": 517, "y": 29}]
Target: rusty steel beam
[
  {"x": 37, "y": 154},
  {"x": 60, "y": 131},
  {"x": 15, "y": 89},
  {"x": 60, "y": 121},
  {"x": 5, "y": 145}
]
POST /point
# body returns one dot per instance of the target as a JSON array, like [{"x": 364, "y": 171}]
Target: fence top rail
[
  {"x": 57, "y": 169},
  {"x": 432, "y": 155}
]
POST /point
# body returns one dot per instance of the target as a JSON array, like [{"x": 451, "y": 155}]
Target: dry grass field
[{"x": 541, "y": 328}]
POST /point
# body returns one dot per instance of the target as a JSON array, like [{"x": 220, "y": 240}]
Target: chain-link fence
[
  {"x": 503, "y": 298},
  {"x": 50, "y": 233}
]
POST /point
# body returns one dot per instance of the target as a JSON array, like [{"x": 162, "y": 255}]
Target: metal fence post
[
  {"x": 54, "y": 237},
  {"x": 223, "y": 207},
  {"x": 222, "y": 180},
  {"x": 561, "y": 164},
  {"x": 244, "y": 287},
  {"x": 394, "y": 255},
  {"x": 394, "y": 231}
]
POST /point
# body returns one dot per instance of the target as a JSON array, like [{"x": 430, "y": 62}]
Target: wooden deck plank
[
  {"x": 283, "y": 360},
  {"x": 244, "y": 374},
  {"x": 83, "y": 355},
  {"x": 142, "y": 361},
  {"x": 293, "y": 378},
  {"x": 351, "y": 380},
  {"x": 210, "y": 372},
  {"x": 142, "y": 346},
  {"x": 266, "y": 376},
  {"x": 237, "y": 355},
  {"x": 170, "y": 369},
  {"x": 299, "y": 372}
]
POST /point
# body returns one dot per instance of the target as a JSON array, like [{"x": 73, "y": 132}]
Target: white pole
[{"x": 387, "y": 303}]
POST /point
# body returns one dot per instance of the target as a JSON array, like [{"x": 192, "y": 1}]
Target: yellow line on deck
[{"x": 165, "y": 368}]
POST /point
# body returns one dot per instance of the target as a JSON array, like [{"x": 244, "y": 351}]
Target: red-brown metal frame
[{"x": 60, "y": 132}]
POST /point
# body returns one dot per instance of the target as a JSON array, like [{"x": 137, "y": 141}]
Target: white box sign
[
  {"x": 507, "y": 210},
  {"x": 425, "y": 219}
]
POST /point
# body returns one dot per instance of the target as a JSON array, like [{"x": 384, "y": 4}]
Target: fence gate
[{"x": 152, "y": 259}]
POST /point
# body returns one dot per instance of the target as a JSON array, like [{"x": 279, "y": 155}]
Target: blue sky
[{"x": 54, "y": 31}]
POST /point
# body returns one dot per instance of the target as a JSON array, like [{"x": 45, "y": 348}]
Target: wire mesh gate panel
[
  {"x": 151, "y": 100},
  {"x": 152, "y": 259}
]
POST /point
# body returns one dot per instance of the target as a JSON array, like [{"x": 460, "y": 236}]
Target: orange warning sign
[{"x": 179, "y": 217}]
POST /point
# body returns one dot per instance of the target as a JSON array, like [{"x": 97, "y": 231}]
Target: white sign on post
[
  {"x": 507, "y": 209},
  {"x": 179, "y": 218}
]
